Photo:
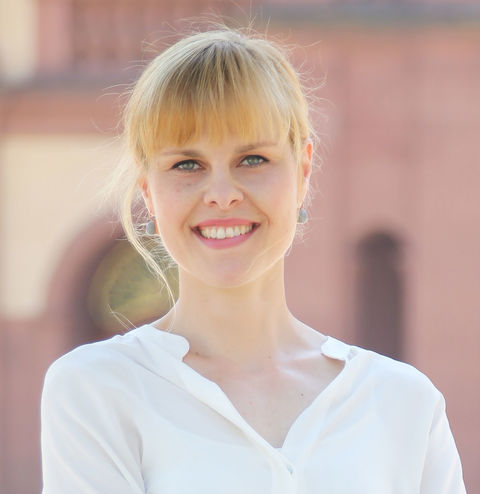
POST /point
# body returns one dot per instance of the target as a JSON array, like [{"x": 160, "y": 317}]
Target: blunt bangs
[
  {"x": 249, "y": 116},
  {"x": 214, "y": 86}
]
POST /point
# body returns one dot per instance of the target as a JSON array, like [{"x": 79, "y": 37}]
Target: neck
[{"x": 244, "y": 325}]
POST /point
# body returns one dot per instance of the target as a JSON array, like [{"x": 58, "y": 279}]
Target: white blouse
[{"x": 128, "y": 416}]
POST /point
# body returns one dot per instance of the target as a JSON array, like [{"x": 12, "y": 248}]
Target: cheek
[
  {"x": 172, "y": 198},
  {"x": 277, "y": 196},
  {"x": 283, "y": 189}
]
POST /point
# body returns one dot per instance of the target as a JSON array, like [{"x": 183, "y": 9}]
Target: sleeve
[
  {"x": 442, "y": 471},
  {"x": 88, "y": 447}
]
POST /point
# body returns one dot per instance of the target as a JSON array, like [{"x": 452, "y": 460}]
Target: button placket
[
  {"x": 290, "y": 479},
  {"x": 287, "y": 474}
]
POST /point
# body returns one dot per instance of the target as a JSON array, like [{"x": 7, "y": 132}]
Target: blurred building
[{"x": 390, "y": 259}]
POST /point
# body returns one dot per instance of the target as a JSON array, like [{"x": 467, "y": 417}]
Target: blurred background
[{"x": 390, "y": 259}]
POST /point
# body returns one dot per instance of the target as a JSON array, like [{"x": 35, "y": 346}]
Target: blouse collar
[{"x": 177, "y": 346}]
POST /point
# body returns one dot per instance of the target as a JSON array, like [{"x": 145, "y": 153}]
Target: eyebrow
[{"x": 194, "y": 152}]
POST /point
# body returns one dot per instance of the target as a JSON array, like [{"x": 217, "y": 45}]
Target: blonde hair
[{"x": 211, "y": 83}]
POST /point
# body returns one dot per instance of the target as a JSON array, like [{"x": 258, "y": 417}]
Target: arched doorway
[{"x": 102, "y": 287}]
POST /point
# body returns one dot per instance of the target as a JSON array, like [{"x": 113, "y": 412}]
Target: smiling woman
[
  {"x": 229, "y": 391},
  {"x": 203, "y": 88}
]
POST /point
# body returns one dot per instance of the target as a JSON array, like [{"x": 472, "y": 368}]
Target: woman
[{"x": 229, "y": 392}]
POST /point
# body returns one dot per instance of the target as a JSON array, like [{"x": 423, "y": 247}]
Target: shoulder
[
  {"x": 394, "y": 380},
  {"x": 99, "y": 363},
  {"x": 89, "y": 405}
]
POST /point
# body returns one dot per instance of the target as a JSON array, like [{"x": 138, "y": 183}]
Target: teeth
[{"x": 220, "y": 232}]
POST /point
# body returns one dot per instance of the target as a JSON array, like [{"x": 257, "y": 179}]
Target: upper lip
[{"x": 224, "y": 222}]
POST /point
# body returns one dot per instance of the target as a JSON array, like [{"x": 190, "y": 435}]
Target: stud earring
[
  {"x": 302, "y": 216},
  {"x": 150, "y": 227}
]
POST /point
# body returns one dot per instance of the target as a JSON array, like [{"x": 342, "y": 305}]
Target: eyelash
[
  {"x": 184, "y": 162},
  {"x": 177, "y": 166}
]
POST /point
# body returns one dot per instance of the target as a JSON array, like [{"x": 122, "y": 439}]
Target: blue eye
[
  {"x": 186, "y": 165},
  {"x": 253, "y": 161}
]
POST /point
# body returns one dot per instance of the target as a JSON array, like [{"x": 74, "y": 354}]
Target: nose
[{"x": 222, "y": 191}]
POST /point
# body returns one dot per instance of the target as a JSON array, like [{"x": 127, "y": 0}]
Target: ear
[
  {"x": 142, "y": 183},
  {"x": 305, "y": 171}
]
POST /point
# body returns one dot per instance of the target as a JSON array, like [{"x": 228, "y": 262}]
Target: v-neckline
[{"x": 211, "y": 394}]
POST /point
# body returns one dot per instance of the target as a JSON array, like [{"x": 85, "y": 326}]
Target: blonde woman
[{"x": 229, "y": 392}]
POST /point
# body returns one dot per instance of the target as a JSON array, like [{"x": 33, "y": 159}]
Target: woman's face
[{"x": 227, "y": 213}]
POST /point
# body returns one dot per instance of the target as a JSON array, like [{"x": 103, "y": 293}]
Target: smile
[
  {"x": 227, "y": 236},
  {"x": 221, "y": 232}
]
